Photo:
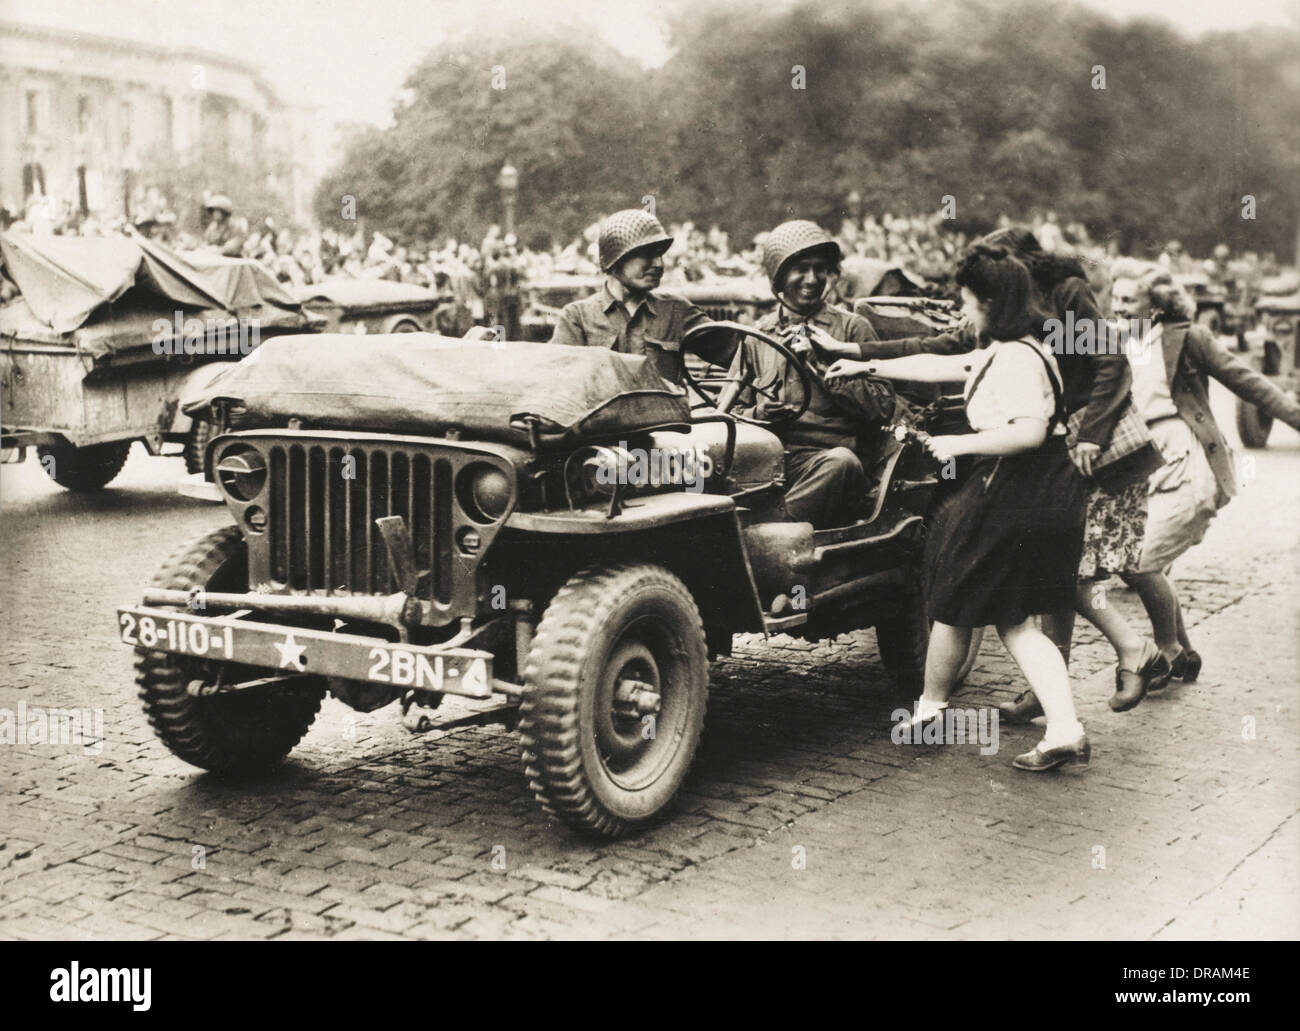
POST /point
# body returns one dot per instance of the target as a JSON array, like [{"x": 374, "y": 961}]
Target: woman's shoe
[
  {"x": 1025, "y": 708},
  {"x": 1187, "y": 666},
  {"x": 1161, "y": 672},
  {"x": 1042, "y": 759},
  {"x": 1131, "y": 686}
]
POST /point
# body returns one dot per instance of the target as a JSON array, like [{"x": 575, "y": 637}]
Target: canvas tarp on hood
[
  {"x": 423, "y": 383},
  {"x": 65, "y": 279}
]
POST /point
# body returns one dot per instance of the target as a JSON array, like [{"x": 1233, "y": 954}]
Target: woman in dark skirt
[{"x": 1007, "y": 548}]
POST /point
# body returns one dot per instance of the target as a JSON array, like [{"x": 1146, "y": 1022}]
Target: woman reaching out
[{"x": 1008, "y": 547}]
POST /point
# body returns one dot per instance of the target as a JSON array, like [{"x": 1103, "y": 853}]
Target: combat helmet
[
  {"x": 791, "y": 240},
  {"x": 219, "y": 202},
  {"x": 627, "y": 231}
]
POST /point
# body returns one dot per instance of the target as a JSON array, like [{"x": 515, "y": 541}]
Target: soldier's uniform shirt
[
  {"x": 653, "y": 327},
  {"x": 825, "y": 481},
  {"x": 823, "y": 425}
]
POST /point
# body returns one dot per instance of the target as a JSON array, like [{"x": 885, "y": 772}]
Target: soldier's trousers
[{"x": 824, "y": 486}]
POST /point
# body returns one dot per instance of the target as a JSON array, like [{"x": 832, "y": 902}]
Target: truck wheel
[
  {"x": 903, "y": 640},
  {"x": 83, "y": 468},
  {"x": 196, "y": 444},
  {"x": 616, "y": 684},
  {"x": 1211, "y": 319},
  {"x": 1253, "y": 426},
  {"x": 222, "y": 732}
]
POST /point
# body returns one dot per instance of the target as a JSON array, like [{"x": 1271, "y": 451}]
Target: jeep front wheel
[
  {"x": 616, "y": 684},
  {"x": 220, "y": 731}
]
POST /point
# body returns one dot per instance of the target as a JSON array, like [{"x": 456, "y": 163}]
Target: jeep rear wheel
[
  {"x": 220, "y": 732},
  {"x": 616, "y": 685},
  {"x": 1253, "y": 426},
  {"x": 903, "y": 640},
  {"x": 83, "y": 468}
]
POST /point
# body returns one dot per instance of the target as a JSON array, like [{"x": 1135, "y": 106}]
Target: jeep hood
[{"x": 421, "y": 383}]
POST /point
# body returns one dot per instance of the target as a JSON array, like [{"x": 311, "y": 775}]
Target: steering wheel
[{"x": 721, "y": 345}]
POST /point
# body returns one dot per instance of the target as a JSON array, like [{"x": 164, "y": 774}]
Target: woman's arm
[
  {"x": 1213, "y": 359},
  {"x": 917, "y": 368},
  {"x": 1014, "y": 438}
]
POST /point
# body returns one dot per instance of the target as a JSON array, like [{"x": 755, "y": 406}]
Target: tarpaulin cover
[
  {"x": 366, "y": 293},
  {"x": 423, "y": 383},
  {"x": 65, "y": 279}
]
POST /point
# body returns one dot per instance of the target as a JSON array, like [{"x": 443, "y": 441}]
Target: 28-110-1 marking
[{"x": 176, "y": 635}]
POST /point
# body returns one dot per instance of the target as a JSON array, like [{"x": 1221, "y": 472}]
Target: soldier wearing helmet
[
  {"x": 627, "y": 314},
  {"x": 825, "y": 480}
]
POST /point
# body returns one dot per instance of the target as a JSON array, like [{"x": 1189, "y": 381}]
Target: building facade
[{"x": 87, "y": 120}]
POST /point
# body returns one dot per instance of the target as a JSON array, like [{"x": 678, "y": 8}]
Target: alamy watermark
[
  {"x": 948, "y": 727},
  {"x": 656, "y": 467},
  {"x": 40, "y": 726},
  {"x": 1099, "y": 336},
  {"x": 182, "y": 336}
]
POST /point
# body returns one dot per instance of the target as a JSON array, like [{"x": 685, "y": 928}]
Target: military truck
[
  {"x": 419, "y": 516},
  {"x": 105, "y": 335}
]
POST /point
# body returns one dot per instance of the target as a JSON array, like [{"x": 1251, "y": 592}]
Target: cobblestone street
[{"x": 801, "y": 818}]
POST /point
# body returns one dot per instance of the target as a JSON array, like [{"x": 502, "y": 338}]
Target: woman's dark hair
[
  {"x": 1046, "y": 270},
  {"x": 1001, "y": 283}
]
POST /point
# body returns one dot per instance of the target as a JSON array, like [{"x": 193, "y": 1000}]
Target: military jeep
[
  {"x": 423, "y": 516},
  {"x": 1271, "y": 349}
]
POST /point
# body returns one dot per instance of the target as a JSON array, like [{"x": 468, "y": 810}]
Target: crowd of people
[{"x": 485, "y": 277}]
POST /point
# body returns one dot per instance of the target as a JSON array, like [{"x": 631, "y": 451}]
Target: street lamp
[{"x": 508, "y": 181}]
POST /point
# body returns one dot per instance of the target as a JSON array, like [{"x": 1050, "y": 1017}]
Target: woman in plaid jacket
[{"x": 1172, "y": 365}]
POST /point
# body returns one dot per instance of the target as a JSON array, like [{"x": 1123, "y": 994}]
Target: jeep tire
[
  {"x": 83, "y": 468},
  {"x": 1253, "y": 426},
  {"x": 196, "y": 446},
  {"x": 615, "y": 689},
  {"x": 222, "y": 732},
  {"x": 903, "y": 640}
]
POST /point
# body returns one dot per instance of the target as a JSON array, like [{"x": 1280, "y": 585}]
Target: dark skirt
[{"x": 1006, "y": 544}]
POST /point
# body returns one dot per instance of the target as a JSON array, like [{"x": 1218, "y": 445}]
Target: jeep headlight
[
  {"x": 484, "y": 492},
  {"x": 241, "y": 471}
]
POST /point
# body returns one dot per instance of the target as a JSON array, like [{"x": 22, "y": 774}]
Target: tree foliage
[{"x": 994, "y": 105}]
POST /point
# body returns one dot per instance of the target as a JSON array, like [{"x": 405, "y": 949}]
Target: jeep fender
[{"x": 697, "y": 536}]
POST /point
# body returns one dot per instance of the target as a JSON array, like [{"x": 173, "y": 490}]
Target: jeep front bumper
[{"x": 295, "y": 650}]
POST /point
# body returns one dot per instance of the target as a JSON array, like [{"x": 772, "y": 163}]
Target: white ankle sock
[{"x": 1059, "y": 734}]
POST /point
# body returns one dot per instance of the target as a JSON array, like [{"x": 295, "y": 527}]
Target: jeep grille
[{"x": 322, "y": 497}]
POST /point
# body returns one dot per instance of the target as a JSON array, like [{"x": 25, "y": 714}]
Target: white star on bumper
[{"x": 291, "y": 653}]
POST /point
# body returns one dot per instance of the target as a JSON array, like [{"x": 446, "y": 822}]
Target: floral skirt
[{"x": 1114, "y": 531}]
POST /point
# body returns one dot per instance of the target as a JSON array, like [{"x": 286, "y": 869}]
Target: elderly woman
[
  {"x": 1172, "y": 364},
  {"x": 1008, "y": 546}
]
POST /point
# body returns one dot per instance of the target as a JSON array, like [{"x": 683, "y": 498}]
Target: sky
[{"x": 350, "y": 58}]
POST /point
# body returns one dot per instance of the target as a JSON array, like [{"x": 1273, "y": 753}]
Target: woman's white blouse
[{"x": 1016, "y": 385}]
